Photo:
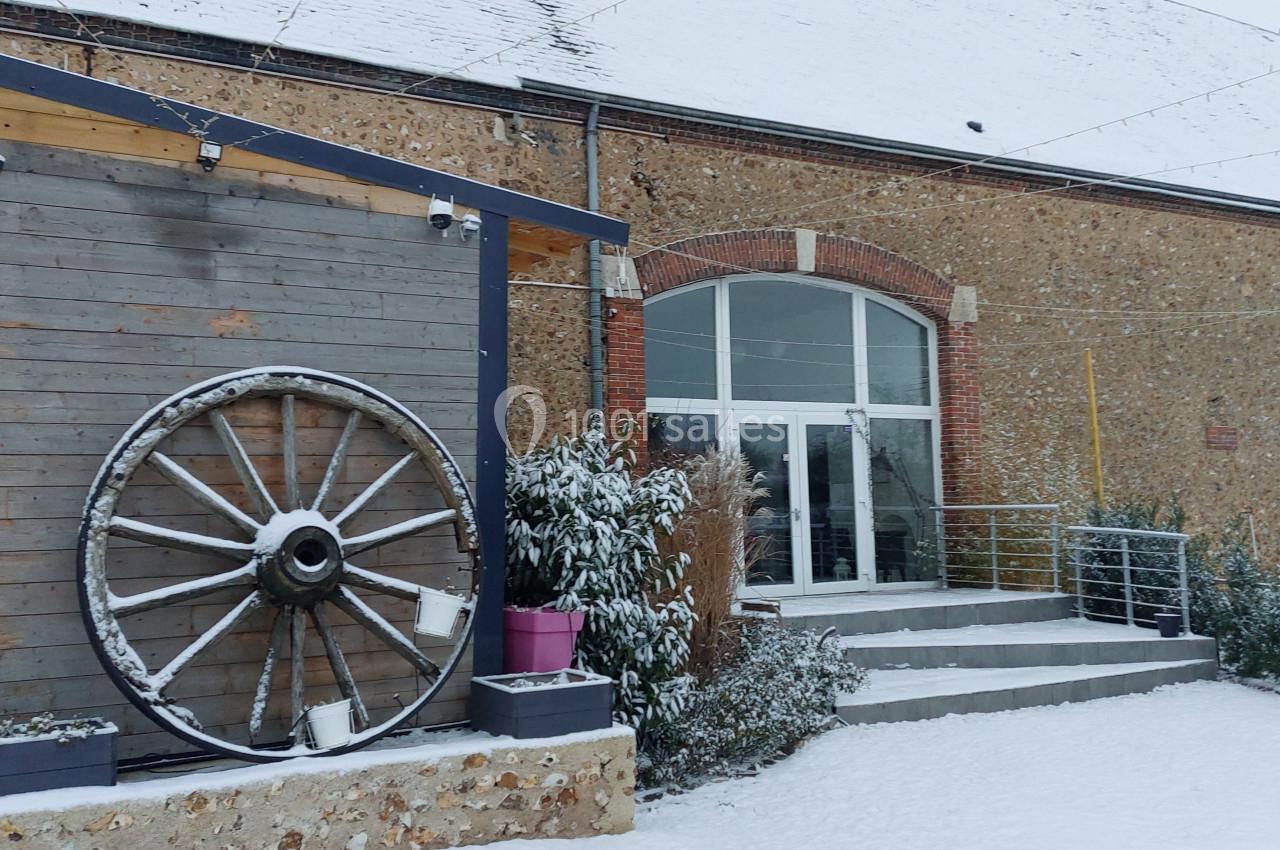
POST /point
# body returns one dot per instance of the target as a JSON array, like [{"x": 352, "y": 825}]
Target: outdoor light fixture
[
  {"x": 470, "y": 225},
  {"x": 440, "y": 213},
  {"x": 2, "y": 162},
  {"x": 209, "y": 155}
]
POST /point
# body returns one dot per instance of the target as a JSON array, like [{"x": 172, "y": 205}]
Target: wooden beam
[
  {"x": 27, "y": 118},
  {"x": 114, "y": 137}
]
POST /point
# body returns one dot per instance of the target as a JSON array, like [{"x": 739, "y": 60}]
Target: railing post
[
  {"x": 942, "y": 547},
  {"x": 1182, "y": 585},
  {"x": 1053, "y": 555},
  {"x": 1079, "y": 578},
  {"x": 1128, "y": 580},
  {"x": 995, "y": 555}
]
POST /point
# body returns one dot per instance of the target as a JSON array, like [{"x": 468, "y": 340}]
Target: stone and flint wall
[
  {"x": 427, "y": 797},
  {"x": 1168, "y": 387}
]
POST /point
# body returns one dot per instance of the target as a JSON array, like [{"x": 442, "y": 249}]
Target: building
[
  {"x": 269, "y": 319},
  {"x": 916, "y": 299}
]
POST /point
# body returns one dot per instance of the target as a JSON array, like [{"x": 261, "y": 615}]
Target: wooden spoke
[
  {"x": 297, "y": 663},
  {"x": 390, "y": 534},
  {"x": 341, "y": 672},
  {"x": 263, "y": 693},
  {"x": 202, "y": 493},
  {"x": 266, "y": 552},
  {"x": 353, "y": 575},
  {"x": 123, "y": 606},
  {"x": 244, "y": 467},
  {"x": 339, "y": 458},
  {"x": 355, "y": 608},
  {"x": 359, "y": 503},
  {"x": 156, "y": 535},
  {"x": 290, "y": 442},
  {"x": 219, "y": 630}
]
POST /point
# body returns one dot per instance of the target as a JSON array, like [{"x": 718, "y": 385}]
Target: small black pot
[{"x": 1170, "y": 625}]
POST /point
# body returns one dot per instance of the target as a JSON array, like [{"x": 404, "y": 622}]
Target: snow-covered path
[{"x": 1190, "y": 766}]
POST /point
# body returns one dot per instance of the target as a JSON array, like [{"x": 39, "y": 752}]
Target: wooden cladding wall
[{"x": 127, "y": 274}]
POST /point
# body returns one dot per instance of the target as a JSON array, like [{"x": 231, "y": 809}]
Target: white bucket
[
  {"x": 437, "y": 612},
  {"x": 330, "y": 724}
]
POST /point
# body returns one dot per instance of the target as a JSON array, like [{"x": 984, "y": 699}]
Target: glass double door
[{"x": 814, "y": 534}]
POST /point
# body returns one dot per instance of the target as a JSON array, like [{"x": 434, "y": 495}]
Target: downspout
[{"x": 596, "y": 312}]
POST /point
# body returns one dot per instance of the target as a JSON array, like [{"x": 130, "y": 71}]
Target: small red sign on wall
[{"x": 1222, "y": 438}]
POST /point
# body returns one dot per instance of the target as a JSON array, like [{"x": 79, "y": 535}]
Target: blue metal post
[{"x": 491, "y": 451}]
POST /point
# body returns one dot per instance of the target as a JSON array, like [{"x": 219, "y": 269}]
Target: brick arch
[{"x": 871, "y": 267}]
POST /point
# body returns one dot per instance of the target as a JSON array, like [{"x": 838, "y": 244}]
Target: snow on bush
[
  {"x": 775, "y": 688},
  {"x": 1153, "y": 563},
  {"x": 1247, "y": 616},
  {"x": 581, "y": 535},
  {"x": 1232, "y": 596}
]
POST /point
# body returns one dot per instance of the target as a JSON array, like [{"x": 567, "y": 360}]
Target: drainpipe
[{"x": 593, "y": 205}]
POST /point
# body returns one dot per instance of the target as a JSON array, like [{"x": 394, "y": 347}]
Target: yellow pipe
[{"x": 1093, "y": 425}]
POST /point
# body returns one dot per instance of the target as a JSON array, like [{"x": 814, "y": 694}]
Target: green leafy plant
[
  {"x": 1246, "y": 612},
  {"x": 582, "y": 532}
]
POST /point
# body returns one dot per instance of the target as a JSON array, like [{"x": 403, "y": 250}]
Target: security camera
[
  {"x": 470, "y": 225},
  {"x": 440, "y": 213},
  {"x": 2, "y": 161}
]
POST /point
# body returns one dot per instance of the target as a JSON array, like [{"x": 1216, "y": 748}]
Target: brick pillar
[
  {"x": 961, "y": 411},
  {"x": 624, "y": 388}
]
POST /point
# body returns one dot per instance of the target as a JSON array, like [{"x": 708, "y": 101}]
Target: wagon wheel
[{"x": 288, "y": 555}]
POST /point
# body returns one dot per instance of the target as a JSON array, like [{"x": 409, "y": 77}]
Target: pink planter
[{"x": 539, "y": 640}]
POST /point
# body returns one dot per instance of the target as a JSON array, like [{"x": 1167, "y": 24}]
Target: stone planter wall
[{"x": 472, "y": 789}]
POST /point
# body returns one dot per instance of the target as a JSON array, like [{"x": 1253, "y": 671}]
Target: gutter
[
  {"x": 944, "y": 157},
  {"x": 593, "y": 205}
]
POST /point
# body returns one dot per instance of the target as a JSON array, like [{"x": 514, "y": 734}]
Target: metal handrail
[
  {"x": 1126, "y": 568},
  {"x": 993, "y": 539}
]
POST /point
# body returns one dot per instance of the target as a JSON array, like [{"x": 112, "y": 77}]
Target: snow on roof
[{"x": 913, "y": 71}]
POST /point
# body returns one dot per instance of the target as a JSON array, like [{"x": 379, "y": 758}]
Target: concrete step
[
  {"x": 904, "y": 695},
  {"x": 873, "y": 613},
  {"x": 1041, "y": 644}
]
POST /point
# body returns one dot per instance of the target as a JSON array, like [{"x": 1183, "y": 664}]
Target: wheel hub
[{"x": 299, "y": 557}]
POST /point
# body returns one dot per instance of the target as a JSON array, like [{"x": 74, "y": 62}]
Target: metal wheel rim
[{"x": 138, "y": 445}]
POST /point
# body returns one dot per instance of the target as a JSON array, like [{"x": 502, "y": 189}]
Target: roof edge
[
  {"x": 179, "y": 117},
  {"x": 944, "y": 156}
]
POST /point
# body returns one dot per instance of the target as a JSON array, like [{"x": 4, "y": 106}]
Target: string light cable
[
  {"x": 515, "y": 45},
  {"x": 999, "y": 307},
  {"x": 971, "y": 163}
]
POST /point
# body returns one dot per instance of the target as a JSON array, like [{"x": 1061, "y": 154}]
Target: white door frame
[{"x": 796, "y": 415}]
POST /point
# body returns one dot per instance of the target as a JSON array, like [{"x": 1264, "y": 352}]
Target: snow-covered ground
[{"x": 1189, "y": 766}]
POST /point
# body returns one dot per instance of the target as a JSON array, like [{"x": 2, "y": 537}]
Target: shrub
[
  {"x": 1232, "y": 597},
  {"x": 1153, "y": 567},
  {"x": 581, "y": 534},
  {"x": 1247, "y": 621},
  {"x": 775, "y": 688},
  {"x": 712, "y": 532}
]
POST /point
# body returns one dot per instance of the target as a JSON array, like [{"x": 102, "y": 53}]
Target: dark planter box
[
  {"x": 41, "y": 763},
  {"x": 582, "y": 703}
]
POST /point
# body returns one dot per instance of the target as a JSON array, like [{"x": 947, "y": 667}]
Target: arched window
[{"x": 787, "y": 368}]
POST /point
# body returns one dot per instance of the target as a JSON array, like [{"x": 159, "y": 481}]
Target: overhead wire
[
  {"x": 1222, "y": 15},
  {"x": 898, "y": 183},
  {"x": 497, "y": 54},
  {"x": 998, "y": 307}
]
